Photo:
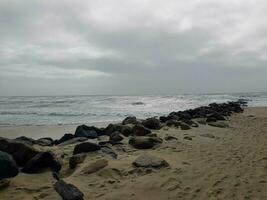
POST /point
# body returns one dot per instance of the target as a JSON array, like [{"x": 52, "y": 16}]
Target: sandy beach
[{"x": 217, "y": 163}]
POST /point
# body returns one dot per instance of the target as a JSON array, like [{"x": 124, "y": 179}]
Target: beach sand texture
[{"x": 218, "y": 163}]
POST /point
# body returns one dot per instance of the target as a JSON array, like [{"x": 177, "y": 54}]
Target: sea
[{"x": 60, "y": 110}]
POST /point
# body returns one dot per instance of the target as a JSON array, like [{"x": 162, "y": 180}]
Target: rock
[
  {"x": 8, "y": 166},
  {"x": 140, "y": 130},
  {"x": 45, "y": 142},
  {"x": 126, "y": 130},
  {"x": 152, "y": 135},
  {"x": 41, "y": 161},
  {"x": 73, "y": 141},
  {"x": 108, "y": 150},
  {"x": 152, "y": 123},
  {"x": 168, "y": 138},
  {"x": 112, "y": 128},
  {"x": 211, "y": 119},
  {"x": 85, "y": 147},
  {"x": 201, "y": 121},
  {"x": 68, "y": 191},
  {"x": 95, "y": 166},
  {"x": 184, "y": 126},
  {"x": 76, "y": 159},
  {"x": 115, "y": 137},
  {"x": 172, "y": 122},
  {"x": 147, "y": 160},
  {"x": 21, "y": 152},
  {"x": 130, "y": 120},
  {"x": 64, "y": 138},
  {"x": 90, "y": 132},
  {"x": 219, "y": 124},
  {"x": 25, "y": 140},
  {"x": 142, "y": 142},
  {"x": 187, "y": 138},
  {"x": 163, "y": 119}
]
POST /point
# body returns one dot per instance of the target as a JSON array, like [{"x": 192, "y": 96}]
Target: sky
[{"x": 132, "y": 47}]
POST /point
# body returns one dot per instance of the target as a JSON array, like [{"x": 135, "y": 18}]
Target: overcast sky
[{"x": 50, "y": 47}]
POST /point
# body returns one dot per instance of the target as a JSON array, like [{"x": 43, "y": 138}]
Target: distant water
[{"x": 49, "y": 110}]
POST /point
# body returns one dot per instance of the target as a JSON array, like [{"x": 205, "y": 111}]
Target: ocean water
[{"x": 51, "y": 110}]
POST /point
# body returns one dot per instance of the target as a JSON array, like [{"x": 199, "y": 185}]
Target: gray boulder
[
  {"x": 76, "y": 159},
  {"x": 147, "y": 160},
  {"x": 152, "y": 123}
]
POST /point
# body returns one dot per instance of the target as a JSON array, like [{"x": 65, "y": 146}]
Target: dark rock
[
  {"x": 21, "y": 152},
  {"x": 126, "y": 130},
  {"x": 68, "y": 191},
  {"x": 85, "y": 147},
  {"x": 211, "y": 119},
  {"x": 25, "y": 140},
  {"x": 8, "y": 166},
  {"x": 95, "y": 166},
  {"x": 142, "y": 142},
  {"x": 172, "y": 122},
  {"x": 140, "y": 130},
  {"x": 76, "y": 159},
  {"x": 147, "y": 160},
  {"x": 90, "y": 132},
  {"x": 64, "y": 138},
  {"x": 130, "y": 120},
  {"x": 163, "y": 119},
  {"x": 45, "y": 142},
  {"x": 115, "y": 137},
  {"x": 112, "y": 128},
  {"x": 41, "y": 161},
  {"x": 152, "y": 123},
  {"x": 73, "y": 141}
]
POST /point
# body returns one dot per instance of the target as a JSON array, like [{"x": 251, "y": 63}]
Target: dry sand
[{"x": 232, "y": 165}]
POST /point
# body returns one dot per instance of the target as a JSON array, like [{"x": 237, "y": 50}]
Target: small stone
[{"x": 95, "y": 166}]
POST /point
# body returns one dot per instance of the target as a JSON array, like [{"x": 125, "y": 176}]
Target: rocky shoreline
[{"x": 26, "y": 155}]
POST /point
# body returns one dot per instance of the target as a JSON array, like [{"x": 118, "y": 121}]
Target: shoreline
[{"x": 204, "y": 162}]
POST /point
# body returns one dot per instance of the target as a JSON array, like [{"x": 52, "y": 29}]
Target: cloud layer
[{"x": 132, "y": 47}]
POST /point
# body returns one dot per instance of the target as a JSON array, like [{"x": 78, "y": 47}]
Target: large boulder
[
  {"x": 140, "y": 130},
  {"x": 143, "y": 142},
  {"x": 152, "y": 123},
  {"x": 76, "y": 159},
  {"x": 130, "y": 120},
  {"x": 8, "y": 166},
  {"x": 90, "y": 132},
  {"x": 41, "y": 161},
  {"x": 147, "y": 160},
  {"x": 85, "y": 147},
  {"x": 21, "y": 152}
]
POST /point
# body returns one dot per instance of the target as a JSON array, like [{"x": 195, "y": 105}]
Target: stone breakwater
[{"x": 20, "y": 155}]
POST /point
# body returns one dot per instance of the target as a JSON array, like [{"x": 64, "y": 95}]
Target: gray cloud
[{"x": 133, "y": 47}]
